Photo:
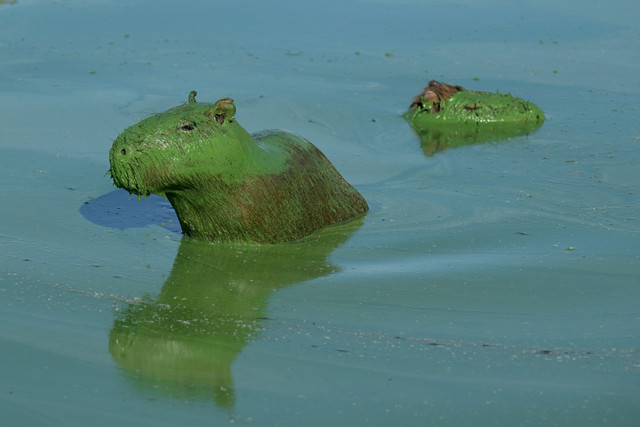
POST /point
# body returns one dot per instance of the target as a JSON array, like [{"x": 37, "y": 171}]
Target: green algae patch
[
  {"x": 446, "y": 116},
  {"x": 228, "y": 185}
]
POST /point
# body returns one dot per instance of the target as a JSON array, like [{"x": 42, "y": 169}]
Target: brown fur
[{"x": 435, "y": 92}]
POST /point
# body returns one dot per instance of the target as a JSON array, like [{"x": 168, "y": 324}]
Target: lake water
[{"x": 490, "y": 284}]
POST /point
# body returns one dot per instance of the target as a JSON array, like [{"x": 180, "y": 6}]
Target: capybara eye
[{"x": 186, "y": 126}]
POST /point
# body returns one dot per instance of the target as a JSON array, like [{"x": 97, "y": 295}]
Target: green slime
[
  {"x": 183, "y": 342},
  {"x": 469, "y": 117},
  {"x": 227, "y": 185}
]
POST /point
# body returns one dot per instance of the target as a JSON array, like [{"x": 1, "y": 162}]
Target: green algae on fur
[
  {"x": 446, "y": 116},
  {"x": 228, "y": 185}
]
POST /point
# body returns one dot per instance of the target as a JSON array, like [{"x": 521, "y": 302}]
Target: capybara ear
[{"x": 223, "y": 110}]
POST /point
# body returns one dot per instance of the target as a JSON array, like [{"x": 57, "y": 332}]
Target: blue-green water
[{"x": 492, "y": 284}]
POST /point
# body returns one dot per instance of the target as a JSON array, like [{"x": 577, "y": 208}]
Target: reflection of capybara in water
[
  {"x": 183, "y": 341},
  {"x": 227, "y": 185}
]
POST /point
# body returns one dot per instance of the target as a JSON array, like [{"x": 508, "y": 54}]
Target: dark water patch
[{"x": 121, "y": 210}]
